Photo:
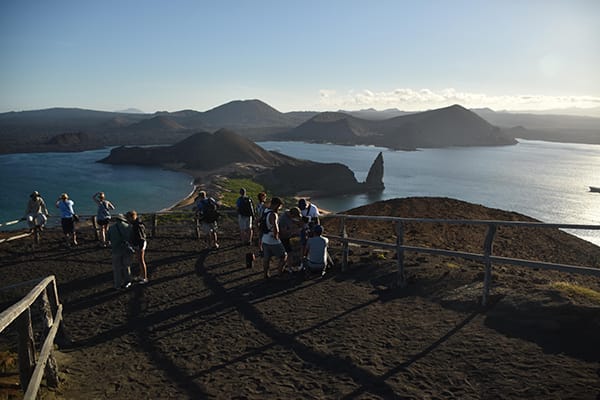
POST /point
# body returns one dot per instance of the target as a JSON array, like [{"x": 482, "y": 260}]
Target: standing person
[
  {"x": 245, "y": 210},
  {"x": 271, "y": 243},
  {"x": 206, "y": 207},
  {"x": 122, "y": 252},
  {"x": 260, "y": 209},
  {"x": 103, "y": 214},
  {"x": 315, "y": 251},
  {"x": 36, "y": 213},
  {"x": 67, "y": 218},
  {"x": 139, "y": 242},
  {"x": 309, "y": 210}
]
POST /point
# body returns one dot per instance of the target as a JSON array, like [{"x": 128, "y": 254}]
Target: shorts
[
  {"x": 312, "y": 266},
  {"x": 67, "y": 225},
  {"x": 244, "y": 222},
  {"x": 141, "y": 246},
  {"x": 273, "y": 250},
  {"x": 208, "y": 227},
  {"x": 103, "y": 222}
]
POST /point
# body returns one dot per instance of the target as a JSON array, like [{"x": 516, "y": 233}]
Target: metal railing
[
  {"x": 486, "y": 257},
  {"x": 31, "y": 371}
]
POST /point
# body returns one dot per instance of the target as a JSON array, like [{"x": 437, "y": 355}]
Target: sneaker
[
  {"x": 127, "y": 285},
  {"x": 216, "y": 246},
  {"x": 144, "y": 281}
]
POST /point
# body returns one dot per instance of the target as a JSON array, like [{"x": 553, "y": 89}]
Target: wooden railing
[
  {"x": 486, "y": 257},
  {"x": 31, "y": 371},
  {"x": 151, "y": 220}
]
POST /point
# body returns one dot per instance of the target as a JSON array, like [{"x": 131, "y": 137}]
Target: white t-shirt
[
  {"x": 267, "y": 238},
  {"x": 317, "y": 249},
  {"x": 311, "y": 211}
]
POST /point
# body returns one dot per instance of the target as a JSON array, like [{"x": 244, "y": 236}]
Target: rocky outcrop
[
  {"x": 374, "y": 182},
  {"x": 285, "y": 175}
]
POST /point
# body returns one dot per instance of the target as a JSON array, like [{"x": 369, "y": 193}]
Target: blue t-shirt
[{"x": 66, "y": 208}]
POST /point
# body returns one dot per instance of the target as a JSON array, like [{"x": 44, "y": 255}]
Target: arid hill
[
  {"x": 445, "y": 127},
  {"x": 287, "y": 175}
]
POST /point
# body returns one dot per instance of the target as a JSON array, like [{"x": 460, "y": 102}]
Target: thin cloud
[{"x": 413, "y": 100}]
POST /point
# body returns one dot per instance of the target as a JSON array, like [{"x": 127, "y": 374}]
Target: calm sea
[
  {"x": 547, "y": 181},
  {"x": 79, "y": 175},
  {"x": 544, "y": 180}
]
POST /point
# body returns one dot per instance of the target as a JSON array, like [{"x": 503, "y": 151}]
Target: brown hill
[
  {"x": 287, "y": 175},
  {"x": 450, "y": 126}
]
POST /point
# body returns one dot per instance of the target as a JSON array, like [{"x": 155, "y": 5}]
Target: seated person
[{"x": 315, "y": 252}]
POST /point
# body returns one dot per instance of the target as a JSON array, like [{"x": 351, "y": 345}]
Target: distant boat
[{"x": 595, "y": 189}]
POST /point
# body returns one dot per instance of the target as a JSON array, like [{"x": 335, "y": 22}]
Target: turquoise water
[
  {"x": 547, "y": 181},
  {"x": 78, "y": 174}
]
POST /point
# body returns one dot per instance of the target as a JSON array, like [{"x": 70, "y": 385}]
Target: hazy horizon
[{"x": 316, "y": 56}]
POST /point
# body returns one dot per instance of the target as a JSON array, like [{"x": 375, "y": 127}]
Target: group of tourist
[
  {"x": 126, "y": 236},
  {"x": 275, "y": 230}
]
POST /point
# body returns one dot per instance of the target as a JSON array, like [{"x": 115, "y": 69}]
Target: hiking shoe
[
  {"x": 144, "y": 281},
  {"x": 127, "y": 285}
]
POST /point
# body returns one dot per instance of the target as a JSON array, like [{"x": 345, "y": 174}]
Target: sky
[{"x": 299, "y": 55}]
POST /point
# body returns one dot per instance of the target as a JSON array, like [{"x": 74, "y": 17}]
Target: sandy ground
[{"x": 208, "y": 327}]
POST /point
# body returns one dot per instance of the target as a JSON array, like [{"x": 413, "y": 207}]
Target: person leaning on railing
[{"x": 36, "y": 213}]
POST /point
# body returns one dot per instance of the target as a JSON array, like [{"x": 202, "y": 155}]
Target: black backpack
[
  {"x": 246, "y": 207},
  {"x": 262, "y": 225},
  {"x": 209, "y": 211}
]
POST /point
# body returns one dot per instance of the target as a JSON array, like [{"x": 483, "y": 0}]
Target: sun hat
[{"x": 120, "y": 217}]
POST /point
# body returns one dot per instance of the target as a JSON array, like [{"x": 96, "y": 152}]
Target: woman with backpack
[{"x": 139, "y": 243}]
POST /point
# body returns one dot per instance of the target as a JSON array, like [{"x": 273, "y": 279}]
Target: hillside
[
  {"x": 205, "y": 326},
  {"x": 203, "y": 153},
  {"x": 445, "y": 127},
  {"x": 33, "y": 131}
]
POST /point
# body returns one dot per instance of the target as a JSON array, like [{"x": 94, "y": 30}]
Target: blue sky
[{"x": 299, "y": 55}]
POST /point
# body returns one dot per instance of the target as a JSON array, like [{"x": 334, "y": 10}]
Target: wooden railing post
[
  {"x": 401, "y": 281},
  {"x": 26, "y": 348},
  {"x": 51, "y": 368},
  {"x": 345, "y": 249},
  {"x": 154, "y": 223},
  {"x": 487, "y": 252}
]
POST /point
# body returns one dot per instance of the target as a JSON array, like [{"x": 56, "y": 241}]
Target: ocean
[
  {"x": 544, "y": 180},
  {"x": 547, "y": 181},
  {"x": 78, "y": 174}
]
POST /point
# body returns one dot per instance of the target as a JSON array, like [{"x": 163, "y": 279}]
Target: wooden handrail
[
  {"x": 30, "y": 370},
  {"x": 486, "y": 257}
]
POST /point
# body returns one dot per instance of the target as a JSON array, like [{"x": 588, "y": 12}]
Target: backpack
[
  {"x": 263, "y": 228},
  {"x": 138, "y": 232},
  {"x": 209, "y": 211},
  {"x": 246, "y": 207}
]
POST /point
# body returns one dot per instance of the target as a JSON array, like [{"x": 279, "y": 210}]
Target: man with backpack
[
  {"x": 245, "y": 210},
  {"x": 271, "y": 243},
  {"x": 206, "y": 210}
]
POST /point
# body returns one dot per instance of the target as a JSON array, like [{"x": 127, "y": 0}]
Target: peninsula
[{"x": 225, "y": 153}]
